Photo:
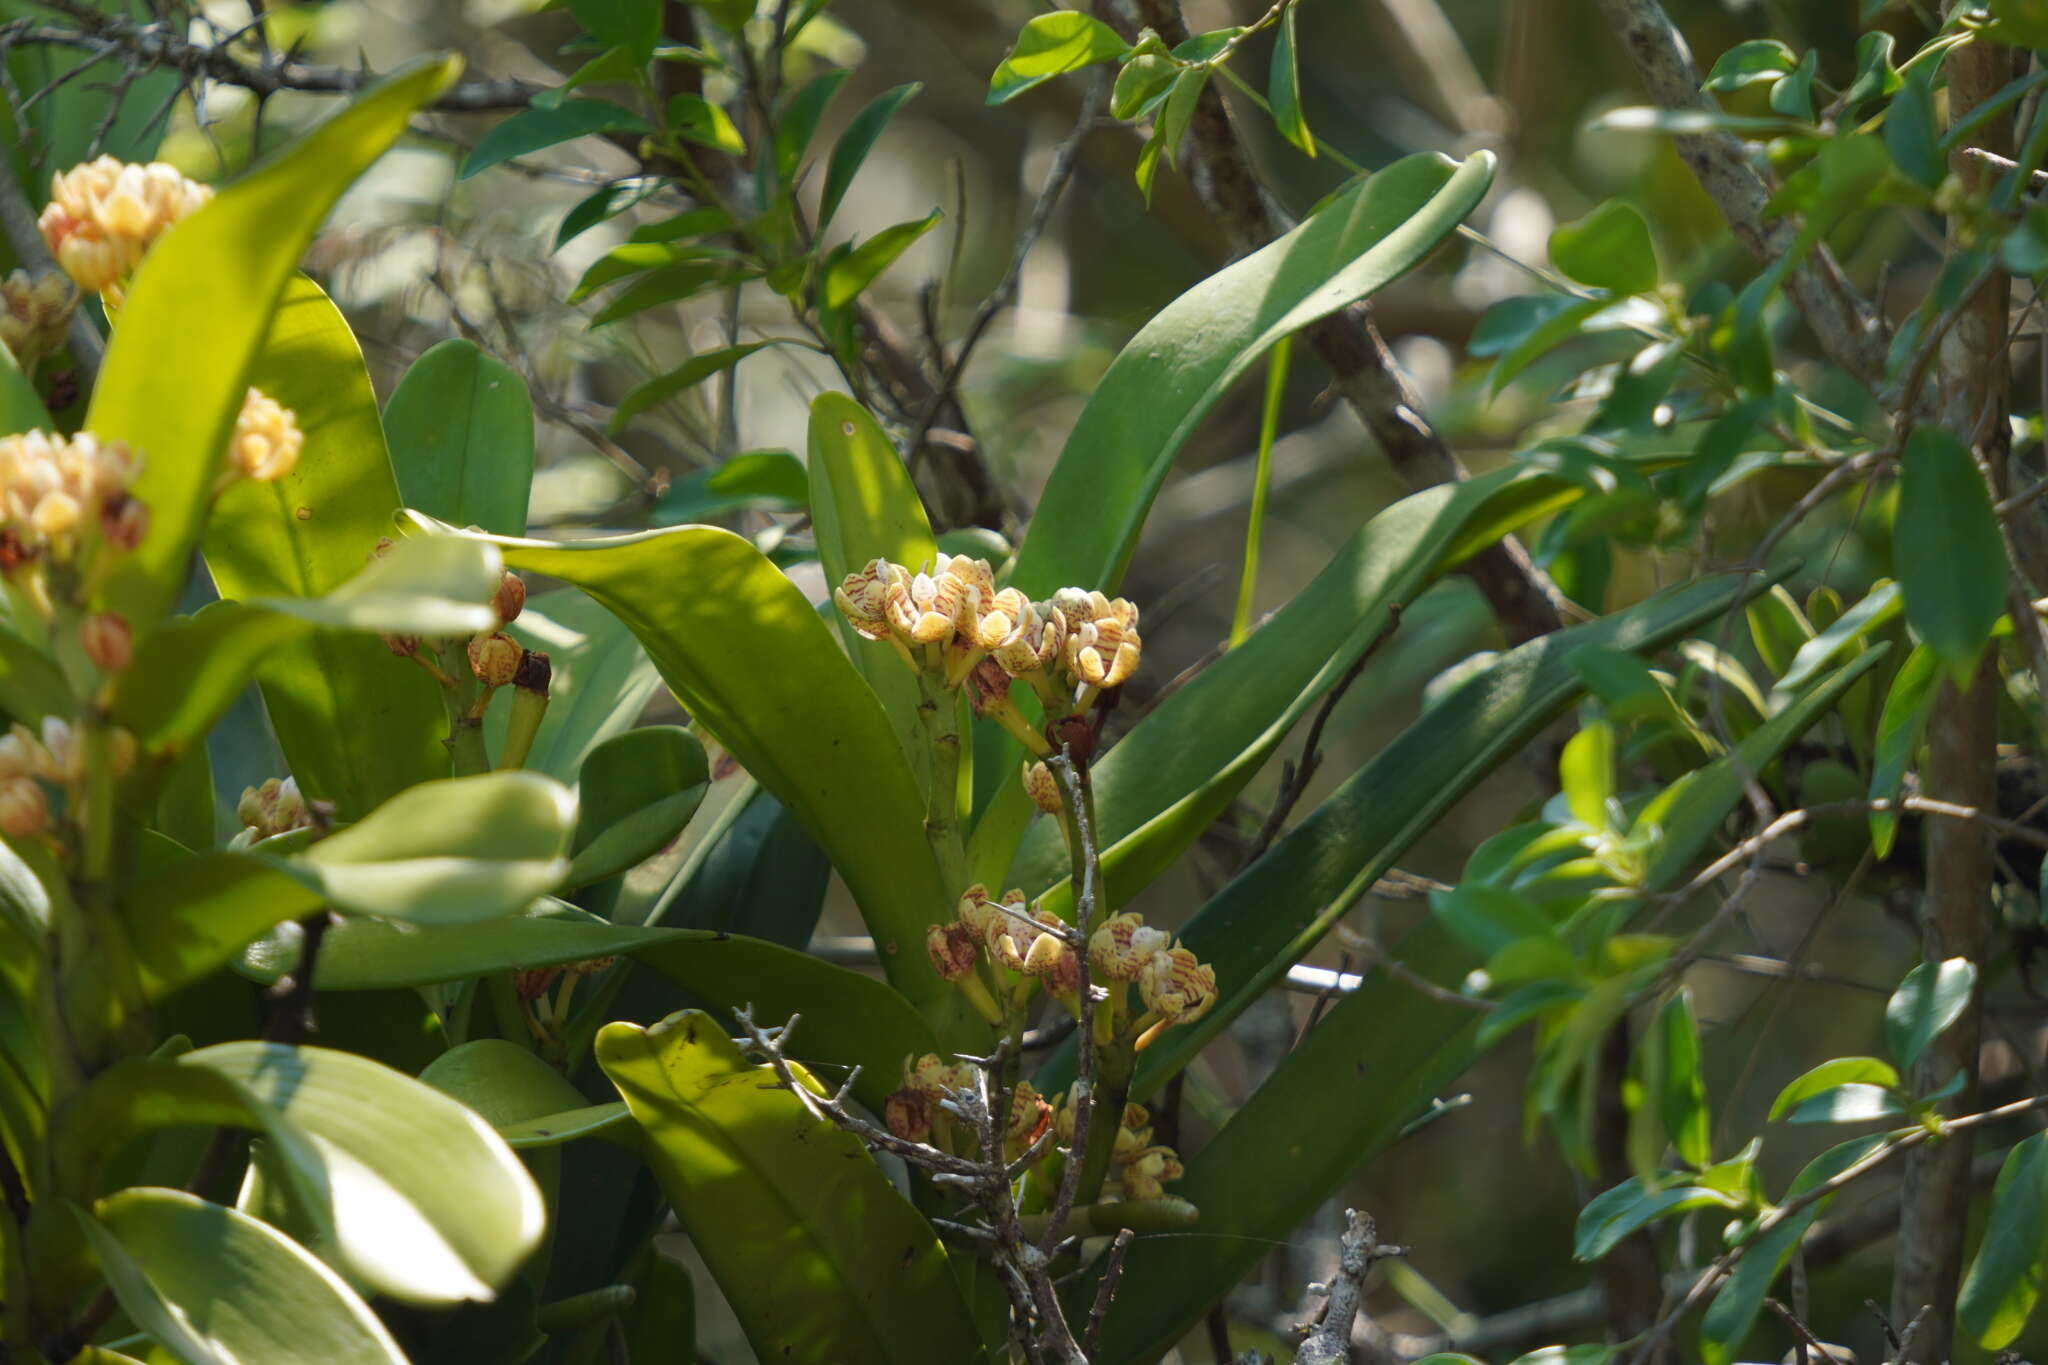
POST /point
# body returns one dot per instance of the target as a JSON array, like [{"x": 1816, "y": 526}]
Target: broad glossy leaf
[
  {"x": 1933, "y": 996},
  {"x": 461, "y": 430},
  {"x": 532, "y": 129},
  {"x": 216, "y": 1287},
  {"x": 600, "y": 684},
  {"x": 863, "y": 130},
  {"x": 447, "y": 852},
  {"x": 1849, "y": 1104},
  {"x": 1165, "y": 381},
  {"x": 759, "y": 670},
  {"x": 2004, "y": 1282},
  {"x": 864, "y": 507},
  {"x": 636, "y": 792},
  {"x": 197, "y": 316},
  {"x": 1947, "y": 548},
  {"x": 842, "y": 1270},
  {"x": 368, "y": 954},
  {"x": 1759, "y": 59},
  {"x": 1609, "y": 249},
  {"x": 1828, "y": 1075},
  {"x": 763, "y": 877},
  {"x": 356, "y": 723},
  {"x": 1050, "y": 45},
  {"x": 186, "y": 674},
  {"x": 429, "y": 1204},
  {"x": 850, "y": 1019},
  {"x": 528, "y": 1102}
]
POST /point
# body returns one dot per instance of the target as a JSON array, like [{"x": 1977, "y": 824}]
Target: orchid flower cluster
[
  {"x": 34, "y": 765},
  {"x": 34, "y": 311},
  {"x": 952, "y": 621},
  {"x": 1025, "y": 949},
  {"x": 1139, "y": 1168},
  {"x": 105, "y": 215}
]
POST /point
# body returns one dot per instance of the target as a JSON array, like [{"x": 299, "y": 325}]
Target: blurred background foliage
[{"x": 417, "y": 254}]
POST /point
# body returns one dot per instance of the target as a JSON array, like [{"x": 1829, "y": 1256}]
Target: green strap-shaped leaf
[
  {"x": 461, "y": 431},
  {"x": 836, "y": 1267},
  {"x": 215, "y": 1287},
  {"x": 862, "y": 131},
  {"x": 1176, "y": 368},
  {"x": 2004, "y": 1282},
  {"x": 635, "y": 793},
  {"x": 357, "y": 723},
  {"x": 744, "y": 651},
  {"x": 428, "y": 1203},
  {"x": 371, "y": 955},
  {"x": 1168, "y": 779},
  {"x": 197, "y": 315},
  {"x": 1272, "y": 913},
  {"x": 1411, "y": 1045},
  {"x": 865, "y": 507}
]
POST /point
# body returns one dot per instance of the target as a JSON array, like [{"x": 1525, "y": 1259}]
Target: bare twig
[
  {"x": 1105, "y": 1292},
  {"x": 1359, "y": 1251}
]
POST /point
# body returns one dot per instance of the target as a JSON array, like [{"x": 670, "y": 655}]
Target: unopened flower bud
[
  {"x": 61, "y": 759},
  {"x": 1144, "y": 1173},
  {"x": 495, "y": 659},
  {"x": 510, "y": 599},
  {"x": 1043, "y": 788},
  {"x": 104, "y": 638},
  {"x": 267, "y": 439},
  {"x": 24, "y": 813},
  {"x": 249, "y": 810},
  {"x": 952, "y": 948},
  {"x": 404, "y": 646}
]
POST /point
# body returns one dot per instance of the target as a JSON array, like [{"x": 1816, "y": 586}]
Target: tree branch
[{"x": 1846, "y": 324}]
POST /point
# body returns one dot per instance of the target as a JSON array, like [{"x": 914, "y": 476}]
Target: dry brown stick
[
  {"x": 1846, "y": 324},
  {"x": 1358, "y": 1251},
  {"x": 1522, "y": 597}
]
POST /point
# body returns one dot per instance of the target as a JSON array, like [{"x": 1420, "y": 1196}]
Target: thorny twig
[{"x": 1359, "y": 1251}]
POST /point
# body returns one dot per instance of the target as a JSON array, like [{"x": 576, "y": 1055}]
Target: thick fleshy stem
[
  {"x": 529, "y": 708},
  {"x": 468, "y": 755},
  {"x": 938, "y": 711}
]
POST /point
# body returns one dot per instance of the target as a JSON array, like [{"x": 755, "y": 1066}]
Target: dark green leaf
[
  {"x": 1609, "y": 249},
  {"x": 847, "y": 276},
  {"x": 1179, "y": 109},
  {"x": 605, "y": 204},
  {"x": 1612, "y": 1216},
  {"x": 687, "y": 375},
  {"x": 1909, "y": 134},
  {"x": 1933, "y": 996},
  {"x": 1141, "y": 84},
  {"x": 461, "y": 430},
  {"x": 852, "y": 149},
  {"x": 1948, "y": 549},
  {"x": 631, "y": 24},
  {"x": 1906, "y": 707},
  {"x": 531, "y": 130},
  {"x": 635, "y": 794},
  {"x": 2004, "y": 1282},
  {"x": 1759, "y": 59},
  {"x": 1792, "y": 95},
  {"x": 774, "y": 479},
  {"x": 797, "y": 123},
  {"x": 1283, "y": 88}
]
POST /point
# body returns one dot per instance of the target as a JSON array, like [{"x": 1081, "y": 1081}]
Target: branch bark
[
  {"x": 1522, "y": 597},
  {"x": 1962, "y": 767},
  {"x": 1845, "y": 323}
]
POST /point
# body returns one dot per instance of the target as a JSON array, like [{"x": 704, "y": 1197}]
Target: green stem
[
  {"x": 528, "y": 709},
  {"x": 467, "y": 753},
  {"x": 511, "y": 1012},
  {"x": 1262, "y": 481},
  {"x": 938, "y": 711}
]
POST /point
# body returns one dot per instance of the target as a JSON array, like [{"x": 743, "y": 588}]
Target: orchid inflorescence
[
  {"x": 917, "y": 1112},
  {"x": 952, "y": 621},
  {"x": 34, "y": 311},
  {"x": 105, "y": 215}
]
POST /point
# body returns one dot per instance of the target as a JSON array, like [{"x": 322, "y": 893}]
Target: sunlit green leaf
[
  {"x": 460, "y": 425},
  {"x": 1050, "y": 45}
]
